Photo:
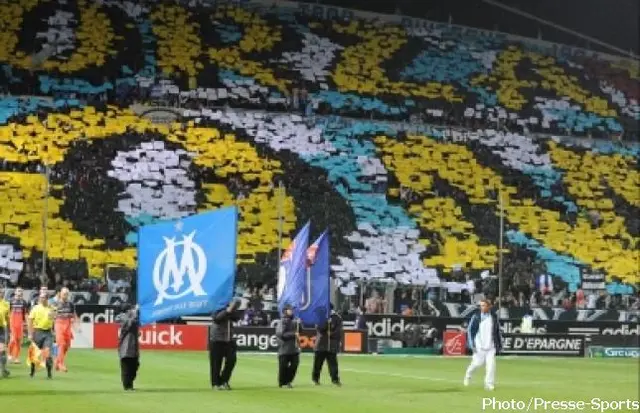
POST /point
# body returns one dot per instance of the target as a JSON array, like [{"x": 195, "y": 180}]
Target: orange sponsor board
[{"x": 264, "y": 339}]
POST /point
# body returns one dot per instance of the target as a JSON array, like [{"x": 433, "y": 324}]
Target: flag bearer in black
[
  {"x": 128, "y": 346},
  {"x": 328, "y": 340},
  {"x": 222, "y": 346},
  {"x": 288, "y": 348}
]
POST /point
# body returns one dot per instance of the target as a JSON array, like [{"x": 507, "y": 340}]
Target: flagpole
[
  {"x": 501, "y": 241},
  {"x": 279, "y": 205},
  {"x": 45, "y": 219}
]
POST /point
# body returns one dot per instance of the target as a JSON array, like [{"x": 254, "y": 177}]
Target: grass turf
[{"x": 179, "y": 382}]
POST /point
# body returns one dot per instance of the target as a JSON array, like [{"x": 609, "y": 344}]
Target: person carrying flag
[
  {"x": 188, "y": 267},
  {"x": 288, "y": 335},
  {"x": 222, "y": 346},
  {"x": 19, "y": 310},
  {"x": 129, "y": 346},
  {"x": 40, "y": 325},
  {"x": 66, "y": 318},
  {"x": 316, "y": 309},
  {"x": 4, "y": 333},
  {"x": 291, "y": 281},
  {"x": 328, "y": 341}
]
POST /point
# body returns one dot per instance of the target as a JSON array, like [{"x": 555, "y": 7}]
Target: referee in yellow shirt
[
  {"x": 4, "y": 332},
  {"x": 40, "y": 324}
]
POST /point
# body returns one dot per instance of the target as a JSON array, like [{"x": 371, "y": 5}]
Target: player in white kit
[{"x": 485, "y": 340}]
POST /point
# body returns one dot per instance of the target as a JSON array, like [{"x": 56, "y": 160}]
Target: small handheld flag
[
  {"x": 34, "y": 356},
  {"x": 292, "y": 271},
  {"x": 315, "y": 305}
]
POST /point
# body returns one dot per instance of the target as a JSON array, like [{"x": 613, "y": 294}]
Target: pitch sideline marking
[{"x": 516, "y": 383}]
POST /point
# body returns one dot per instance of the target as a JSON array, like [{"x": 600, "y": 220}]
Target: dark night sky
[
  {"x": 612, "y": 21},
  {"x": 615, "y": 22}
]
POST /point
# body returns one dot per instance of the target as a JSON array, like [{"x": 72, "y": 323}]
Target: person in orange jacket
[
  {"x": 66, "y": 318},
  {"x": 19, "y": 308}
]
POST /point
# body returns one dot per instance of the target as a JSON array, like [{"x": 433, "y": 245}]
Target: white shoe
[
  {"x": 466, "y": 381},
  {"x": 489, "y": 387}
]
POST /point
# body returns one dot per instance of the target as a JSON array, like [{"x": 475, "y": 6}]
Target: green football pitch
[{"x": 178, "y": 382}]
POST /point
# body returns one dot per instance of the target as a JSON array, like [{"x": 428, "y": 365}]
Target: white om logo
[{"x": 166, "y": 270}]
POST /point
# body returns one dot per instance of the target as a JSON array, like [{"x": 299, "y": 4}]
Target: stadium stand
[
  {"x": 257, "y": 55},
  {"x": 321, "y": 106}
]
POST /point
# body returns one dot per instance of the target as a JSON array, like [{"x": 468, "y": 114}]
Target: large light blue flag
[
  {"x": 315, "y": 305},
  {"x": 188, "y": 266},
  {"x": 293, "y": 270}
]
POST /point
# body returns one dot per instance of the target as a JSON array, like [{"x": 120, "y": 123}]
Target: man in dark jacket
[
  {"x": 288, "y": 335},
  {"x": 128, "y": 346},
  {"x": 328, "y": 340},
  {"x": 222, "y": 346}
]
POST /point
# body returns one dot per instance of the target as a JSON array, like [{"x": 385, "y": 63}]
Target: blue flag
[
  {"x": 292, "y": 270},
  {"x": 314, "y": 309},
  {"x": 187, "y": 266}
]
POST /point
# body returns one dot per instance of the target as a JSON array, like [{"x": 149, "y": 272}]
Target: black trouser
[
  {"x": 287, "y": 368},
  {"x": 129, "y": 370},
  {"x": 332, "y": 361},
  {"x": 221, "y": 352}
]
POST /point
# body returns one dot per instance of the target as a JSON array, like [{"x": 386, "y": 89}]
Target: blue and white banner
[
  {"x": 188, "y": 266},
  {"x": 292, "y": 271},
  {"x": 315, "y": 305}
]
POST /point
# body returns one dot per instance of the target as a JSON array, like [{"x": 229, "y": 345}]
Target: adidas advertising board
[
  {"x": 543, "y": 345},
  {"x": 110, "y": 314},
  {"x": 388, "y": 326},
  {"x": 513, "y": 327},
  {"x": 624, "y": 330},
  {"x": 383, "y": 327},
  {"x": 604, "y": 328},
  {"x": 97, "y": 314}
]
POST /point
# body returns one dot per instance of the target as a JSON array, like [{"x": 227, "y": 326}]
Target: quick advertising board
[{"x": 155, "y": 337}]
